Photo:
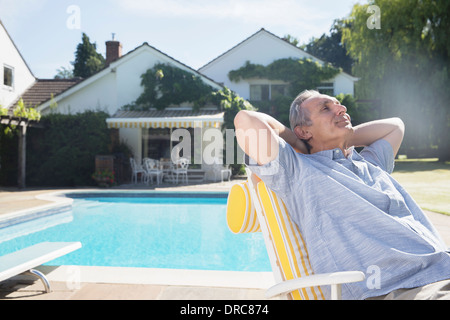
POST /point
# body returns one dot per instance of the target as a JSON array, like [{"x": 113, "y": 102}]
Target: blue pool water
[{"x": 179, "y": 232}]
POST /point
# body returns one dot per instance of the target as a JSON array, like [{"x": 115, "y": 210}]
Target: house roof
[
  {"x": 262, "y": 30},
  {"x": 145, "y": 46},
  {"x": 43, "y": 90}
]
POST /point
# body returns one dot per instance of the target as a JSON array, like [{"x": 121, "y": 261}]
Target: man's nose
[{"x": 340, "y": 109}]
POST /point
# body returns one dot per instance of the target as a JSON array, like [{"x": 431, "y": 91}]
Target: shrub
[{"x": 63, "y": 153}]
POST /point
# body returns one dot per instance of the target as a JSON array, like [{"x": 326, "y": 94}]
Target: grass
[{"x": 427, "y": 181}]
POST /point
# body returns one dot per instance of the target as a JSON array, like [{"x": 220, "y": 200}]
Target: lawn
[{"x": 427, "y": 181}]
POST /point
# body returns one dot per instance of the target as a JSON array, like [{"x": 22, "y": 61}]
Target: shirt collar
[{"x": 335, "y": 154}]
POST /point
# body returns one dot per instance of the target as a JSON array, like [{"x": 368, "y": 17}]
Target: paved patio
[{"x": 23, "y": 288}]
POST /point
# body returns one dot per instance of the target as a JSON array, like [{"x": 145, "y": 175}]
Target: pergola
[{"x": 22, "y": 124}]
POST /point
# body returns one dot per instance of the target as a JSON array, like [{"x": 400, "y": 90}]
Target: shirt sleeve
[
  {"x": 381, "y": 154},
  {"x": 278, "y": 174}
]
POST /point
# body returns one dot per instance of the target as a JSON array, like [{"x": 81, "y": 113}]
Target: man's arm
[
  {"x": 392, "y": 130},
  {"x": 257, "y": 133}
]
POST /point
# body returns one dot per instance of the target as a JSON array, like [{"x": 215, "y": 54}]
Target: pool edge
[{"x": 73, "y": 275}]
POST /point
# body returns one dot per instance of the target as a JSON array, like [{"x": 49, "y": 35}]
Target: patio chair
[
  {"x": 136, "y": 170},
  {"x": 181, "y": 168},
  {"x": 253, "y": 207},
  {"x": 23, "y": 261},
  {"x": 224, "y": 170},
  {"x": 152, "y": 169}
]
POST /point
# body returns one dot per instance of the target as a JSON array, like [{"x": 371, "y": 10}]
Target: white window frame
[
  {"x": 258, "y": 85},
  {"x": 10, "y": 87},
  {"x": 326, "y": 85},
  {"x": 270, "y": 84}
]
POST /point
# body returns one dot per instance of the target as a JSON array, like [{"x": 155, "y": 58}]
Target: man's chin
[{"x": 345, "y": 124}]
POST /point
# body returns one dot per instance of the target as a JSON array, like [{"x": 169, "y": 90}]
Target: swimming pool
[{"x": 150, "y": 230}]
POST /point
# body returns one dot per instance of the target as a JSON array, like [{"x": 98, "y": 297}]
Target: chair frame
[
  {"x": 151, "y": 167},
  {"x": 224, "y": 170},
  {"x": 181, "y": 168},
  {"x": 284, "y": 287},
  {"x": 136, "y": 169}
]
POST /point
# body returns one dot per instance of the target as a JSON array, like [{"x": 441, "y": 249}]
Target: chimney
[{"x": 113, "y": 50}]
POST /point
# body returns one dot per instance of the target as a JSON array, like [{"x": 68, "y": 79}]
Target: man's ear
[{"x": 302, "y": 133}]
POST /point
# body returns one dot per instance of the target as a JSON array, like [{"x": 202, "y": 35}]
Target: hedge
[{"x": 63, "y": 153}]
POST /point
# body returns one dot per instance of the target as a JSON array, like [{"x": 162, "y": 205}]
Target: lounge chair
[
  {"x": 23, "y": 261},
  {"x": 253, "y": 207}
]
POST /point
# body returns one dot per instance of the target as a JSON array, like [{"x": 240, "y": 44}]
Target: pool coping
[
  {"x": 56, "y": 204},
  {"x": 73, "y": 275},
  {"x": 59, "y": 202}
]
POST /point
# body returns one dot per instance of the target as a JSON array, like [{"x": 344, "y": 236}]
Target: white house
[
  {"x": 147, "y": 133},
  {"x": 15, "y": 75},
  {"x": 264, "y": 48}
]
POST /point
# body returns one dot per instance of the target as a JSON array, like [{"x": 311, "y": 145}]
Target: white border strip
[
  {"x": 56, "y": 201},
  {"x": 154, "y": 276}
]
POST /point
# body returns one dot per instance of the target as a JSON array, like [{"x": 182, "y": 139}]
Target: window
[
  {"x": 8, "y": 74},
  {"x": 267, "y": 92},
  {"x": 259, "y": 92},
  {"x": 155, "y": 143},
  {"x": 278, "y": 90},
  {"x": 326, "y": 88}
]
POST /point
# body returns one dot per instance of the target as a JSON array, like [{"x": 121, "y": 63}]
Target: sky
[{"x": 47, "y": 32}]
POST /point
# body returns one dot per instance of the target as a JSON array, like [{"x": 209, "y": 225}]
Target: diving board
[{"x": 23, "y": 261}]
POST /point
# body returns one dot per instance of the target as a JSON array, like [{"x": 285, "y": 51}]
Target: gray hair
[{"x": 298, "y": 116}]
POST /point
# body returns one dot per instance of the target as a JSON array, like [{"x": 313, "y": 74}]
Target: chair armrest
[{"x": 335, "y": 279}]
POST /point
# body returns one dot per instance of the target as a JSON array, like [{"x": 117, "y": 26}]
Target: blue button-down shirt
[{"x": 354, "y": 216}]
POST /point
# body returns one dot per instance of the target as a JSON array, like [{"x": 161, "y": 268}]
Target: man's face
[{"x": 330, "y": 122}]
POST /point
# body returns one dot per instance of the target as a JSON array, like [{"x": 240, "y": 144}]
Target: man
[{"x": 352, "y": 214}]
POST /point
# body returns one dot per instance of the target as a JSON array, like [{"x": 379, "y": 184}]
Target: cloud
[
  {"x": 14, "y": 10},
  {"x": 301, "y": 18},
  {"x": 262, "y": 12}
]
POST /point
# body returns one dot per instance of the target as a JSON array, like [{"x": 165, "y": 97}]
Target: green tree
[
  {"x": 231, "y": 104},
  {"x": 87, "y": 60},
  {"x": 406, "y": 65},
  {"x": 64, "y": 73},
  {"x": 330, "y": 48},
  {"x": 292, "y": 40},
  {"x": 165, "y": 85}
]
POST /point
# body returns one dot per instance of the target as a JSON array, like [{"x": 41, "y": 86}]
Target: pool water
[{"x": 151, "y": 232}]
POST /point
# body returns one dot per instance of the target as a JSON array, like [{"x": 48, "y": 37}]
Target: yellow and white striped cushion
[
  {"x": 241, "y": 213},
  {"x": 289, "y": 247}
]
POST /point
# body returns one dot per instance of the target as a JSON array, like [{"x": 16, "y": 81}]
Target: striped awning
[{"x": 172, "y": 119}]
